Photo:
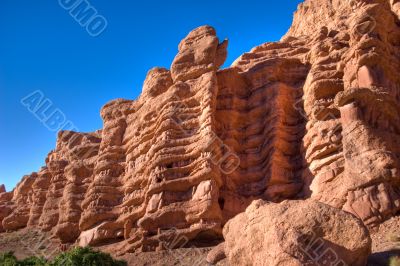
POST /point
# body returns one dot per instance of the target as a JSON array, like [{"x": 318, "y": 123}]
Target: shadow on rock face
[{"x": 383, "y": 258}]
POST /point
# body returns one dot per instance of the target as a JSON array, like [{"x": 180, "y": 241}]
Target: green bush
[
  {"x": 85, "y": 257},
  {"x": 76, "y": 257},
  {"x": 33, "y": 261},
  {"x": 8, "y": 259}
]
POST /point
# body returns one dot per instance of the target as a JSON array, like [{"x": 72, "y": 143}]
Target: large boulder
[{"x": 296, "y": 233}]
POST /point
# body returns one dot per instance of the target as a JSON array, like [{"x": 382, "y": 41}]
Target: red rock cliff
[{"x": 315, "y": 115}]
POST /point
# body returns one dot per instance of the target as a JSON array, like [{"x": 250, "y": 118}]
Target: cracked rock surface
[{"x": 315, "y": 115}]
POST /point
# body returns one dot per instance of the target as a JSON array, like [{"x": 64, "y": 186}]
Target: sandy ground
[{"x": 25, "y": 243}]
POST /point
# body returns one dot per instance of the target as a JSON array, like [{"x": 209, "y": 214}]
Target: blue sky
[{"x": 43, "y": 48}]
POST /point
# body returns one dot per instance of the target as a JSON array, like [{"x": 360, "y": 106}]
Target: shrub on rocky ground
[{"x": 75, "y": 257}]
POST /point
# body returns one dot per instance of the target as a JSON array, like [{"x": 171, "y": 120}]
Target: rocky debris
[
  {"x": 315, "y": 115},
  {"x": 296, "y": 233},
  {"x": 216, "y": 254}
]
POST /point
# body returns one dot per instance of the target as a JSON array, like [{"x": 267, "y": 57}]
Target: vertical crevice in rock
[{"x": 259, "y": 118}]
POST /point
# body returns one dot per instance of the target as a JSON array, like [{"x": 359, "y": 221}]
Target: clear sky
[{"x": 43, "y": 47}]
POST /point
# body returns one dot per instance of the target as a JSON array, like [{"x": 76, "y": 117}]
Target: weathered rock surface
[
  {"x": 315, "y": 115},
  {"x": 216, "y": 254},
  {"x": 6, "y": 206},
  {"x": 296, "y": 233},
  {"x": 21, "y": 199}
]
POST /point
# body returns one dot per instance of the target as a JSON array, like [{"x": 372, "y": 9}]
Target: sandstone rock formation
[
  {"x": 5, "y": 205},
  {"x": 217, "y": 254},
  {"x": 281, "y": 234},
  {"x": 314, "y": 115},
  {"x": 42, "y": 199}
]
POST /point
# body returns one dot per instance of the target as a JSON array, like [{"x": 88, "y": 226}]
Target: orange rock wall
[{"x": 315, "y": 115}]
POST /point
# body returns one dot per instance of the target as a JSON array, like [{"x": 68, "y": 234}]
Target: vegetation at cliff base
[
  {"x": 394, "y": 261},
  {"x": 75, "y": 257}
]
